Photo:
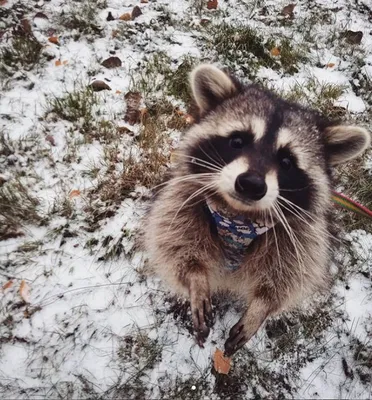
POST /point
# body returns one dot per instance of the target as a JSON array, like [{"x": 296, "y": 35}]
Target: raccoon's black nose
[{"x": 252, "y": 185}]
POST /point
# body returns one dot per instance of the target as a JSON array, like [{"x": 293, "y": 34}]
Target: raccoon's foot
[
  {"x": 201, "y": 309},
  {"x": 246, "y": 327},
  {"x": 237, "y": 338}
]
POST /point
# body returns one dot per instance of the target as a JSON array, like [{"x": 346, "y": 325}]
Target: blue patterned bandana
[{"x": 236, "y": 234}]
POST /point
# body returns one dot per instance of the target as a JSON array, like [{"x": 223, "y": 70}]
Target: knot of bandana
[{"x": 237, "y": 234}]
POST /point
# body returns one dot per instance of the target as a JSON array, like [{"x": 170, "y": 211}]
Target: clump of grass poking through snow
[
  {"x": 75, "y": 106},
  {"x": 177, "y": 81},
  {"x": 319, "y": 96},
  {"x": 82, "y": 17},
  {"x": 23, "y": 52},
  {"x": 244, "y": 46},
  {"x": 139, "y": 354},
  {"x": 158, "y": 75},
  {"x": 17, "y": 208}
]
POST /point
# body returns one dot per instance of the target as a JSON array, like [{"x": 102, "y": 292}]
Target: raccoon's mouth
[
  {"x": 241, "y": 203},
  {"x": 243, "y": 200}
]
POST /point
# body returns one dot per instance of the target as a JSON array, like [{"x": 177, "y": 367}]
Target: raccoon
[{"x": 246, "y": 209}]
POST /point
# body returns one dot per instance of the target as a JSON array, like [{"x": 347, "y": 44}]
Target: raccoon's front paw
[
  {"x": 201, "y": 309},
  {"x": 237, "y": 338},
  {"x": 202, "y": 317}
]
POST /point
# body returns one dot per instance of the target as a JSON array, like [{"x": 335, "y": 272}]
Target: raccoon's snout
[{"x": 251, "y": 185}]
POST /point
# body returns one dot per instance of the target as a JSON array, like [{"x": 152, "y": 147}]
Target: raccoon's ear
[
  {"x": 344, "y": 143},
  {"x": 211, "y": 86}
]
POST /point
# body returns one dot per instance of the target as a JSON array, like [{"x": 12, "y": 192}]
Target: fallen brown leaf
[
  {"x": 58, "y": 63},
  {"x": 40, "y": 15},
  {"x": 275, "y": 51},
  {"x": 133, "y": 113},
  {"x": 53, "y": 39},
  {"x": 221, "y": 363},
  {"x": 111, "y": 62},
  {"x": 8, "y": 285},
  {"x": 330, "y": 65},
  {"x": 74, "y": 193},
  {"x": 136, "y": 12},
  {"x": 287, "y": 11},
  {"x": 125, "y": 17},
  {"x": 352, "y": 37},
  {"x": 26, "y": 26},
  {"x": 50, "y": 139},
  {"x": 212, "y": 4},
  {"x": 24, "y": 290},
  {"x": 97, "y": 86}
]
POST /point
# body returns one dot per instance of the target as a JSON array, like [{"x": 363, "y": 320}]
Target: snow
[{"x": 83, "y": 307}]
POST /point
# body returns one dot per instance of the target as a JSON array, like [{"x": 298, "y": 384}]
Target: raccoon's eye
[
  {"x": 286, "y": 163},
  {"x": 236, "y": 141}
]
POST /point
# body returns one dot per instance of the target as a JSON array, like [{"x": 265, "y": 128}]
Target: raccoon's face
[{"x": 257, "y": 151}]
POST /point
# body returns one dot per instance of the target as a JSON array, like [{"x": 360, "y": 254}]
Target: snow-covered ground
[{"x": 79, "y": 318}]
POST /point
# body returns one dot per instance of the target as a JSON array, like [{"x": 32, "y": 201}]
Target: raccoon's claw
[
  {"x": 202, "y": 319},
  {"x": 236, "y": 339}
]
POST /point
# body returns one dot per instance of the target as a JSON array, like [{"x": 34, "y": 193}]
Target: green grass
[
  {"x": 319, "y": 96},
  {"x": 75, "y": 106},
  {"x": 23, "y": 52},
  {"x": 290, "y": 56},
  {"x": 244, "y": 47},
  {"x": 17, "y": 209},
  {"x": 158, "y": 74},
  {"x": 81, "y": 107},
  {"x": 82, "y": 17}
]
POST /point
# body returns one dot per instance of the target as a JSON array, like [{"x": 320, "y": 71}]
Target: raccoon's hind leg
[
  {"x": 247, "y": 326},
  {"x": 196, "y": 280}
]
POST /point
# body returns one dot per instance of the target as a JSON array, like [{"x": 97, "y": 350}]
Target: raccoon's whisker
[
  {"x": 286, "y": 225},
  {"x": 296, "y": 213},
  {"x": 192, "y": 196},
  {"x": 211, "y": 158},
  {"x": 204, "y": 166},
  {"x": 218, "y": 154},
  {"x": 297, "y": 245},
  {"x": 195, "y": 204},
  {"x": 293, "y": 238},
  {"x": 202, "y": 161},
  {"x": 276, "y": 239},
  {"x": 179, "y": 179},
  {"x": 291, "y": 204},
  {"x": 202, "y": 199}
]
